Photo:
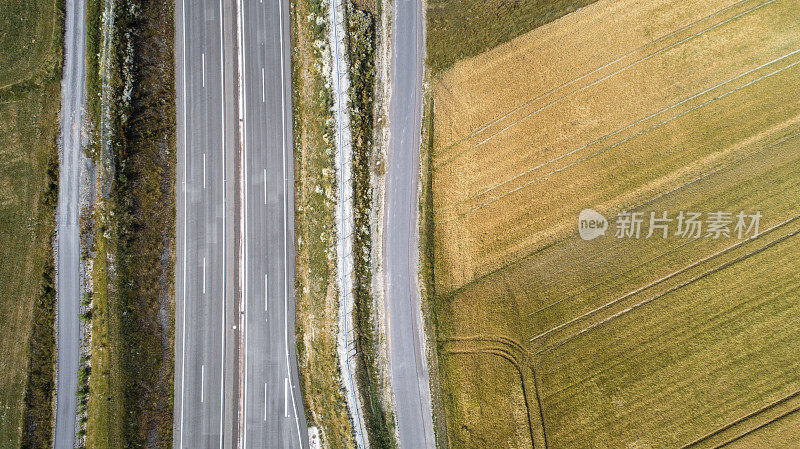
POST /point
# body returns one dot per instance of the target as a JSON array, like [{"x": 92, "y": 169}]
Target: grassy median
[
  {"x": 131, "y": 386},
  {"x": 315, "y": 187}
]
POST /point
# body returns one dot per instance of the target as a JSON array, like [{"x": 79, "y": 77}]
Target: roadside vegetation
[
  {"x": 617, "y": 342},
  {"x": 427, "y": 272},
  {"x": 30, "y": 81},
  {"x": 361, "y": 35},
  {"x": 94, "y": 44},
  {"x": 92, "y": 241},
  {"x": 131, "y": 386},
  {"x": 315, "y": 226}
]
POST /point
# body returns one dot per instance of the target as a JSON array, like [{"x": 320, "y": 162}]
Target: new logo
[{"x": 591, "y": 224}]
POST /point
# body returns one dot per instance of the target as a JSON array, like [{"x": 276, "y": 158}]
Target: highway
[
  {"x": 68, "y": 264},
  {"x": 271, "y": 403},
  {"x": 205, "y": 366},
  {"x": 236, "y": 381},
  {"x": 410, "y": 381}
]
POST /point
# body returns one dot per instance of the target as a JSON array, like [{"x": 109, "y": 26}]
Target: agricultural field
[
  {"x": 26, "y": 40},
  {"x": 628, "y": 340},
  {"x": 30, "y": 56},
  {"x": 463, "y": 28}
]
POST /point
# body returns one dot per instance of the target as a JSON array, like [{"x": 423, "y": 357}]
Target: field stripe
[
  {"x": 748, "y": 424},
  {"x": 788, "y": 134},
  {"x": 571, "y": 323},
  {"x": 617, "y": 132},
  {"x": 638, "y": 134},
  {"x": 520, "y": 359},
  {"x": 646, "y": 57}
]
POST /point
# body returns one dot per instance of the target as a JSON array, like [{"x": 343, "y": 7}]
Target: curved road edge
[{"x": 406, "y": 339}]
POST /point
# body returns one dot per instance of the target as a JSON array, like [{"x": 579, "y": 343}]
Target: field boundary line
[
  {"x": 775, "y": 411},
  {"x": 664, "y": 278},
  {"x": 552, "y": 346},
  {"x": 703, "y": 177},
  {"x": 638, "y": 134},
  {"x": 521, "y": 360},
  {"x": 665, "y": 37},
  {"x": 789, "y": 135}
]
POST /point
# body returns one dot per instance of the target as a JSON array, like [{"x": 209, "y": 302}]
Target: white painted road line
[
  {"x": 202, "y": 383},
  {"x": 266, "y": 301},
  {"x": 185, "y": 200},
  {"x": 265, "y": 186},
  {"x": 265, "y": 401},
  {"x": 224, "y": 252},
  {"x": 204, "y": 275},
  {"x": 204, "y": 171},
  {"x": 263, "y": 86},
  {"x": 242, "y": 100},
  {"x": 204, "y": 69}
]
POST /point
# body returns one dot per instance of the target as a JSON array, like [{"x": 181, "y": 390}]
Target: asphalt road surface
[
  {"x": 272, "y": 413},
  {"x": 406, "y": 342},
  {"x": 68, "y": 263},
  {"x": 204, "y": 316}
]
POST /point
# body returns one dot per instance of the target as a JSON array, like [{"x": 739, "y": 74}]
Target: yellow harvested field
[
  {"x": 661, "y": 342},
  {"x": 616, "y": 137}
]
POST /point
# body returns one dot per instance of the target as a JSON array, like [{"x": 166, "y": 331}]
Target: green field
[
  {"x": 459, "y": 29},
  {"x": 619, "y": 342},
  {"x": 26, "y": 39},
  {"x": 30, "y": 38}
]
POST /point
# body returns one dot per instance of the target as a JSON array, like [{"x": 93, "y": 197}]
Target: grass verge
[
  {"x": 94, "y": 42},
  {"x": 361, "y": 54},
  {"x": 317, "y": 298}
]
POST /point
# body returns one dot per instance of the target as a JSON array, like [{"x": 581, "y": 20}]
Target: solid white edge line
[
  {"x": 185, "y": 201},
  {"x": 224, "y": 255},
  {"x": 243, "y": 175}
]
